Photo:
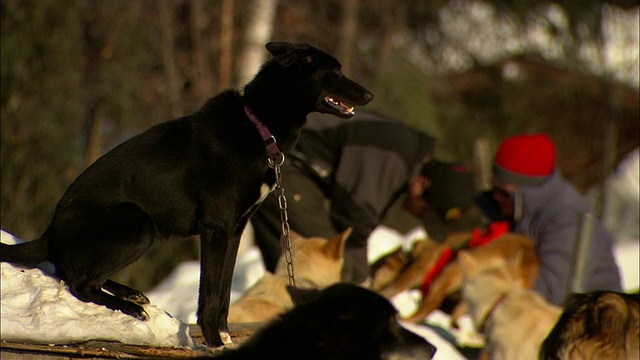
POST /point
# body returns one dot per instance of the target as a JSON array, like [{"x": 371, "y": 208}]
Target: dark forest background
[{"x": 79, "y": 77}]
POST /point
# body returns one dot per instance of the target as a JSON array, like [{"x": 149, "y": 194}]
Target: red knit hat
[{"x": 525, "y": 160}]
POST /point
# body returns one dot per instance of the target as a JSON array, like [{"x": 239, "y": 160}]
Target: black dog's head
[
  {"x": 357, "y": 323},
  {"x": 341, "y": 322},
  {"x": 309, "y": 80},
  {"x": 334, "y": 92}
]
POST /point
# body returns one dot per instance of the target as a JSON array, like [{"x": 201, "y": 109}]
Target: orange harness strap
[{"x": 478, "y": 238}]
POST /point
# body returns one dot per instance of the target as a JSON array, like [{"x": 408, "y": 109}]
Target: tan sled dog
[
  {"x": 515, "y": 321},
  {"x": 400, "y": 270},
  {"x": 449, "y": 281},
  {"x": 317, "y": 263}
]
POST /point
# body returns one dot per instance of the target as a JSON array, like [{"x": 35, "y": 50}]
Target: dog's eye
[{"x": 308, "y": 59}]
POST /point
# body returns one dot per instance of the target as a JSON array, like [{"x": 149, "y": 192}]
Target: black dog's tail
[{"x": 28, "y": 253}]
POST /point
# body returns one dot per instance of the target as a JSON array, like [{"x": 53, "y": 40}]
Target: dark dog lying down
[
  {"x": 203, "y": 174},
  {"x": 342, "y": 322},
  {"x": 596, "y": 325}
]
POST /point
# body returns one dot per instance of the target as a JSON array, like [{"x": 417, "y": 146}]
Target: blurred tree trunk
[
  {"x": 391, "y": 25},
  {"x": 203, "y": 82},
  {"x": 482, "y": 163},
  {"x": 259, "y": 29},
  {"x": 225, "y": 69},
  {"x": 386, "y": 46},
  {"x": 348, "y": 37},
  {"x": 610, "y": 127},
  {"x": 173, "y": 87},
  {"x": 95, "y": 44},
  {"x": 93, "y": 150}
]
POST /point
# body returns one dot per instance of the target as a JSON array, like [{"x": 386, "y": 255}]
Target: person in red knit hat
[{"x": 529, "y": 192}]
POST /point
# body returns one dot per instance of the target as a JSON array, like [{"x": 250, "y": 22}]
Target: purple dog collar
[{"x": 273, "y": 152}]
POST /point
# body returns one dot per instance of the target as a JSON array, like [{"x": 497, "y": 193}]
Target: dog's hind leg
[
  {"x": 95, "y": 244},
  {"x": 91, "y": 291},
  {"x": 125, "y": 293}
]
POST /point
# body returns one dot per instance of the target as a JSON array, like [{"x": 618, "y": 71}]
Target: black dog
[
  {"x": 203, "y": 174},
  {"x": 343, "y": 321}
]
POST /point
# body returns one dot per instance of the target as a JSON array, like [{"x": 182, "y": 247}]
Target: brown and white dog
[
  {"x": 400, "y": 270},
  {"x": 514, "y": 320},
  {"x": 449, "y": 280},
  {"x": 596, "y": 325},
  {"x": 317, "y": 263}
]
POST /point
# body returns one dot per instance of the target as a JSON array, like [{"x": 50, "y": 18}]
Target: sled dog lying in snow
[{"x": 317, "y": 263}]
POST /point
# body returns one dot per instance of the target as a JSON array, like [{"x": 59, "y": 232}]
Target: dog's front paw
[
  {"x": 137, "y": 298},
  {"x": 125, "y": 293},
  {"x": 135, "y": 311},
  {"x": 226, "y": 337},
  {"x": 143, "y": 315}
]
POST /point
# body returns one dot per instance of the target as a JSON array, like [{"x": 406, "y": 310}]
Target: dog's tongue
[{"x": 345, "y": 107}]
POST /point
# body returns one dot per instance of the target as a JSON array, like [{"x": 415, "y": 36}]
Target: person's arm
[
  {"x": 602, "y": 272},
  {"x": 366, "y": 181},
  {"x": 554, "y": 244},
  {"x": 375, "y": 161}
]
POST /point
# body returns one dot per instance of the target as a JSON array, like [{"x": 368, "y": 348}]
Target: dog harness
[{"x": 478, "y": 238}]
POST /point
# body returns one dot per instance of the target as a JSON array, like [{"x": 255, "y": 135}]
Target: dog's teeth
[{"x": 345, "y": 108}]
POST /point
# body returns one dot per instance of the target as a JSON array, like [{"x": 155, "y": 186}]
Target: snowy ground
[
  {"x": 178, "y": 293},
  {"x": 37, "y": 308}
]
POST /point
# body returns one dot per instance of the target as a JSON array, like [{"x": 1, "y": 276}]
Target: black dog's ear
[
  {"x": 278, "y": 48},
  {"x": 302, "y": 296},
  {"x": 286, "y": 53}
]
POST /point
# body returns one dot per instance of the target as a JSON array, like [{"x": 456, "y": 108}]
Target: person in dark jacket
[
  {"x": 529, "y": 192},
  {"x": 348, "y": 173}
]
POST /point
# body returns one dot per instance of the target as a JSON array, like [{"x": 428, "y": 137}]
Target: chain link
[{"x": 285, "y": 237}]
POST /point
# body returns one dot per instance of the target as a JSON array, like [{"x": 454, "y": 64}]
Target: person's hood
[{"x": 530, "y": 199}]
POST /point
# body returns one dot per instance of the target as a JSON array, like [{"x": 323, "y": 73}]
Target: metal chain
[{"x": 285, "y": 237}]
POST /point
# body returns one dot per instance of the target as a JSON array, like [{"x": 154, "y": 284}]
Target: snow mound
[{"x": 37, "y": 308}]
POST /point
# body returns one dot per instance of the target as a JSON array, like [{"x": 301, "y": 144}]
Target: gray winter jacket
[
  {"x": 363, "y": 164},
  {"x": 549, "y": 214}
]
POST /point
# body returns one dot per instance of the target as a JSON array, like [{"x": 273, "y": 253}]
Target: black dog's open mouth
[{"x": 339, "y": 105}]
